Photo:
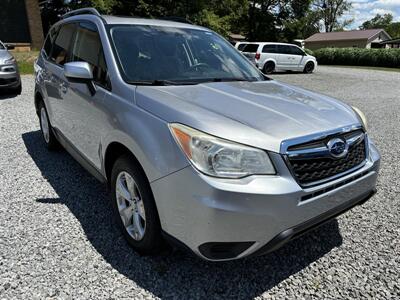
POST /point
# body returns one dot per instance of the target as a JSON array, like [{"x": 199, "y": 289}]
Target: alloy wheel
[
  {"x": 130, "y": 205},
  {"x": 45, "y": 125}
]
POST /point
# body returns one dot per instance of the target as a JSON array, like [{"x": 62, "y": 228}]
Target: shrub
[{"x": 359, "y": 57}]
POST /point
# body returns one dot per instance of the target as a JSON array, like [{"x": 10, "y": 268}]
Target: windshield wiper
[
  {"x": 230, "y": 79},
  {"x": 160, "y": 82}
]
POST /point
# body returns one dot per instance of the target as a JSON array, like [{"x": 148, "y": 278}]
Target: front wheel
[
  {"x": 309, "y": 67},
  {"x": 134, "y": 206}
]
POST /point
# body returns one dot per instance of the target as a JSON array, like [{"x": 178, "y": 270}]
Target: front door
[{"x": 88, "y": 114}]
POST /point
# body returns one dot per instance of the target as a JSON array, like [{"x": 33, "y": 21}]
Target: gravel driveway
[{"x": 58, "y": 240}]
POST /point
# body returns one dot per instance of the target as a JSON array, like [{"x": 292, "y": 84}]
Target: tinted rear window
[
  {"x": 62, "y": 43},
  {"x": 284, "y": 49},
  {"x": 269, "y": 49},
  {"x": 241, "y": 47},
  {"x": 252, "y": 48}
]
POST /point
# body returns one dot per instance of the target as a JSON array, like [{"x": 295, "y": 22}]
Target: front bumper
[
  {"x": 9, "y": 76},
  {"x": 220, "y": 219}
]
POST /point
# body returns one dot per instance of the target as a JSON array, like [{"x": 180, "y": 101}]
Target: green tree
[
  {"x": 393, "y": 29},
  {"x": 301, "y": 21},
  {"x": 379, "y": 21},
  {"x": 385, "y": 22},
  {"x": 330, "y": 12}
]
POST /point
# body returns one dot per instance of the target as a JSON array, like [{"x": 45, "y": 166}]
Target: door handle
[{"x": 63, "y": 87}]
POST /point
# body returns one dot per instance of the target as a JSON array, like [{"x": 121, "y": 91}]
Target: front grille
[{"x": 315, "y": 167}]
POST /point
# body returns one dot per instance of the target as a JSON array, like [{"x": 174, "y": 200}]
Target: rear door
[
  {"x": 284, "y": 57},
  {"x": 250, "y": 51},
  {"x": 268, "y": 51},
  {"x": 54, "y": 79}
]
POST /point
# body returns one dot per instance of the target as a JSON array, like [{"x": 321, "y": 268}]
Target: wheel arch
[
  {"x": 269, "y": 60},
  {"x": 115, "y": 150},
  {"x": 37, "y": 99}
]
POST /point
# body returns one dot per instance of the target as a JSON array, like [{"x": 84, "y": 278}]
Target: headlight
[
  {"x": 362, "y": 117},
  {"x": 9, "y": 61},
  {"x": 220, "y": 158}
]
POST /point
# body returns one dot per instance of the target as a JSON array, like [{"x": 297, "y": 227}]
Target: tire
[
  {"x": 18, "y": 90},
  {"x": 269, "y": 67},
  {"x": 309, "y": 67},
  {"x": 143, "y": 234},
  {"x": 47, "y": 131}
]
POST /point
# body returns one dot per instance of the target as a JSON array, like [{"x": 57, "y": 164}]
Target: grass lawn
[
  {"x": 25, "y": 61},
  {"x": 366, "y": 68}
]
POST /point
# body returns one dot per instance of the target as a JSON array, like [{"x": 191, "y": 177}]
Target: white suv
[{"x": 270, "y": 57}]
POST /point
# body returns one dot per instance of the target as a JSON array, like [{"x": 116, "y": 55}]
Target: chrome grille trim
[{"x": 309, "y": 155}]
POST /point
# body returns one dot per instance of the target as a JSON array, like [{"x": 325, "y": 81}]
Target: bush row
[{"x": 359, "y": 57}]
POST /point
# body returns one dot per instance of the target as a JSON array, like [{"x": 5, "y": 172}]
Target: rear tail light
[{"x": 257, "y": 56}]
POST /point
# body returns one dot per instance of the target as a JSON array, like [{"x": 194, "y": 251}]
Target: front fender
[{"x": 148, "y": 138}]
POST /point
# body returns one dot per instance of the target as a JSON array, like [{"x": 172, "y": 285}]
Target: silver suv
[{"x": 197, "y": 146}]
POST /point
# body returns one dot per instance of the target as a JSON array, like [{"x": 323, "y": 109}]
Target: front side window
[
  {"x": 87, "y": 47},
  {"x": 2, "y": 46},
  {"x": 152, "y": 53},
  {"x": 60, "y": 52},
  {"x": 296, "y": 51}
]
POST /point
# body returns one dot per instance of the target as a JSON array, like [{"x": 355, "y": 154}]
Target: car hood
[
  {"x": 261, "y": 114},
  {"x": 4, "y": 55}
]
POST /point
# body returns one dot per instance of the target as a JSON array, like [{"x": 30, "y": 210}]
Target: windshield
[{"x": 178, "y": 55}]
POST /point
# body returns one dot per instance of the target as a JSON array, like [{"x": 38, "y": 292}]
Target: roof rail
[
  {"x": 176, "y": 19},
  {"x": 82, "y": 11}
]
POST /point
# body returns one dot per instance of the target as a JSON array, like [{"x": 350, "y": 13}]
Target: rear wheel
[
  {"x": 269, "y": 67},
  {"x": 309, "y": 67},
  {"x": 134, "y": 207},
  {"x": 47, "y": 131}
]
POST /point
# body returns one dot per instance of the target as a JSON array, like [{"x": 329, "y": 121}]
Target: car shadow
[
  {"x": 173, "y": 274},
  {"x": 287, "y": 73}
]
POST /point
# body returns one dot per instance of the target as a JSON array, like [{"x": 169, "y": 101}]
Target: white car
[{"x": 270, "y": 57}]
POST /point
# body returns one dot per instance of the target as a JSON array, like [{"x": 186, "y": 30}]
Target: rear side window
[
  {"x": 60, "y": 52},
  {"x": 284, "y": 49},
  {"x": 48, "y": 44},
  {"x": 251, "y": 48},
  {"x": 269, "y": 49},
  {"x": 87, "y": 47}
]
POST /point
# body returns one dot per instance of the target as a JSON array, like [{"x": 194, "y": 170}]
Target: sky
[{"x": 364, "y": 10}]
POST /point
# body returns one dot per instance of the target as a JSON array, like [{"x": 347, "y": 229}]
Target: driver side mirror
[{"x": 80, "y": 72}]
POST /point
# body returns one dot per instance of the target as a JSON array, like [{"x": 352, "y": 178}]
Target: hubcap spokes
[
  {"x": 130, "y": 206},
  {"x": 45, "y": 125}
]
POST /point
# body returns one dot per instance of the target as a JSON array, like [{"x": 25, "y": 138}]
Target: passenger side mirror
[{"x": 80, "y": 72}]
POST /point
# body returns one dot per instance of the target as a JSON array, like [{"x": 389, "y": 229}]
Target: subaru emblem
[{"x": 338, "y": 148}]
